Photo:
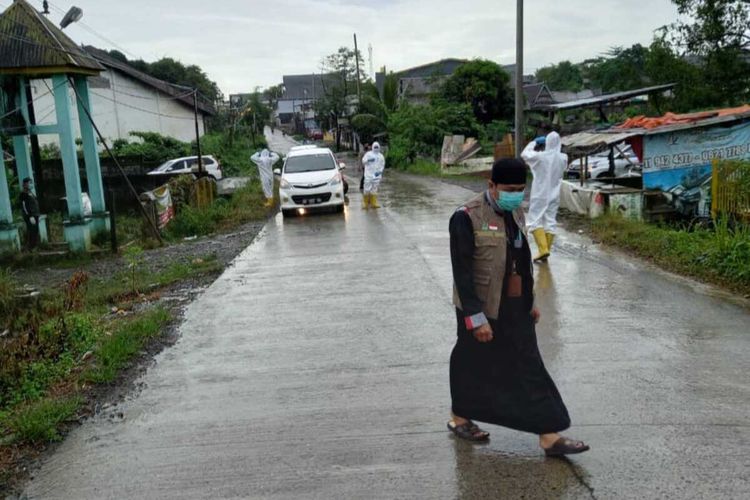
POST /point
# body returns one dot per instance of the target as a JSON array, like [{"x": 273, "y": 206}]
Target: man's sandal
[
  {"x": 468, "y": 431},
  {"x": 565, "y": 446}
]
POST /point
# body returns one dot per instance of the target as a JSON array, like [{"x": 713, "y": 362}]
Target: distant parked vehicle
[
  {"x": 189, "y": 165},
  {"x": 627, "y": 164},
  {"x": 315, "y": 134}
]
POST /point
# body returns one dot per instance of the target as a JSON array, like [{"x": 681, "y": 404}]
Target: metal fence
[{"x": 730, "y": 189}]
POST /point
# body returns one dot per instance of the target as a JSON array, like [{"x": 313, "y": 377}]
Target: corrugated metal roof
[
  {"x": 31, "y": 44},
  {"x": 180, "y": 93},
  {"x": 597, "y": 140},
  {"x": 309, "y": 86},
  {"x": 607, "y": 98}
]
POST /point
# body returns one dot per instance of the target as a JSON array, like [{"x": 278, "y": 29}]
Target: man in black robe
[{"x": 496, "y": 371}]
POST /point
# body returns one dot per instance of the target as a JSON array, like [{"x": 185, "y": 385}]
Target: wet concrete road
[
  {"x": 317, "y": 367},
  {"x": 278, "y": 142}
]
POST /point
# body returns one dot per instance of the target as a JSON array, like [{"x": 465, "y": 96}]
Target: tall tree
[
  {"x": 663, "y": 65},
  {"x": 621, "y": 69},
  {"x": 562, "y": 76},
  {"x": 334, "y": 104},
  {"x": 718, "y": 32},
  {"x": 484, "y": 86}
]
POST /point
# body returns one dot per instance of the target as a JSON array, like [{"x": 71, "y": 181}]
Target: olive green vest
[{"x": 490, "y": 250}]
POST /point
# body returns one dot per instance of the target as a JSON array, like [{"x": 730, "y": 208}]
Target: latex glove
[{"x": 32, "y": 220}]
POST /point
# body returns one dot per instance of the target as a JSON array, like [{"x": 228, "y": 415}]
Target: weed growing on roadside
[
  {"x": 40, "y": 421},
  {"x": 117, "y": 349},
  {"x": 134, "y": 258},
  {"x": 720, "y": 255}
]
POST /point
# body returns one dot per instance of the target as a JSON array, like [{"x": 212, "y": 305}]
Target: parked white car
[
  {"x": 627, "y": 164},
  {"x": 189, "y": 165},
  {"x": 311, "y": 179}
]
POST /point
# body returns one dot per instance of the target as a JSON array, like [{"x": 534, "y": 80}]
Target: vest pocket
[
  {"x": 482, "y": 280},
  {"x": 486, "y": 247}
]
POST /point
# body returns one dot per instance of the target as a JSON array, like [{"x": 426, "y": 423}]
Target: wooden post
[
  {"x": 197, "y": 133},
  {"x": 112, "y": 221}
]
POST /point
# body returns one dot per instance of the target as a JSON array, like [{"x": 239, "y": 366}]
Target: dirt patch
[{"x": 224, "y": 247}]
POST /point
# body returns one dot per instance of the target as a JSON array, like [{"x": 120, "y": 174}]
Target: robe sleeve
[{"x": 462, "y": 260}]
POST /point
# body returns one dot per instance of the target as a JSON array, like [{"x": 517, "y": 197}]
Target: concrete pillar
[
  {"x": 100, "y": 216},
  {"x": 23, "y": 160},
  {"x": 76, "y": 228},
  {"x": 23, "y": 165},
  {"x": 9, "y": 240}
]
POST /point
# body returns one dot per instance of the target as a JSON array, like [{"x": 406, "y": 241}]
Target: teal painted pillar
[
  {"x": 9, "y": 240},
  {"x": 76, "y": 228},
  {"x": 23, "y": 160},
  {"x": 100, "y": 216},
  {"x": 23, "y": 165}
]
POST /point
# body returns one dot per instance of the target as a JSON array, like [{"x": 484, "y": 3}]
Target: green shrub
[
  {"x": 418, "y": 131},
  {"x": 116, "y": 350},
  {"x": 720, "y": 255},
  {"x": 40, "y": 421}
]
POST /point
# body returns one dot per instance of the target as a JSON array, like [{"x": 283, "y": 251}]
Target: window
[
  {"x": 180, "y": 165},
  {"x": 207, "y": 161},
  {"x": 309, "y": 163}
]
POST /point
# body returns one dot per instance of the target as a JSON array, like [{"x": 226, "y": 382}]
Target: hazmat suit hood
[
  {"x": 553, "y": 143},
  {"x": 265, "y": 153},
  {"x": 375, "y": 147}
]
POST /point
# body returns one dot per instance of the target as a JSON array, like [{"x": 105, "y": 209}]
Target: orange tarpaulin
[{"x": 674, "y": 119}]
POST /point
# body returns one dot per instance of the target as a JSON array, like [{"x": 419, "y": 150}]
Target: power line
[
  {"x": 94, "y": 32},
  {"x": 19, "y": 108},
  {"x": 140, "y": 109},
  {"x": 59, "y": 49}
]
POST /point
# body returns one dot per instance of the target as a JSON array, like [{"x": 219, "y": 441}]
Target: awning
[{"x": 591, "y": 142}]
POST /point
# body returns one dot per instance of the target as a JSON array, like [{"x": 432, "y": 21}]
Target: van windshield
[{"x": 309, "y": 163}]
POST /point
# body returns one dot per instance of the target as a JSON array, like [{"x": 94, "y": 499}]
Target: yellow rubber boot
[
  {"x": 541, "y": 243},
  {"x": 550, "y": 240},
  {"x": 365, "y": 200},
  {"x": 374, "y": 201}
]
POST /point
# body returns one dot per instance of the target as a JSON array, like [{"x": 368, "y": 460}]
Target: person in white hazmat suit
[
  {"x": 547, "y": 167},
  {"x": 265, "y": 160},
  {"x": 374, "y": 163}
]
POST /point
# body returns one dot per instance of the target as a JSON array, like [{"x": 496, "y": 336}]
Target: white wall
[{"x": 120, "y": 105}]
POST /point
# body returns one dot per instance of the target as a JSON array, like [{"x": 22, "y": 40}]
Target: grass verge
[
  {"x": 114, "y": 351},
  {"x": 40, "y": 421},
  {"x": 719, "y": 255},
  {"x": 69, "y": 339}
]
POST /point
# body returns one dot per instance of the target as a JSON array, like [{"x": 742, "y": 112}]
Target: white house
[{"x": 125, "y": 100}]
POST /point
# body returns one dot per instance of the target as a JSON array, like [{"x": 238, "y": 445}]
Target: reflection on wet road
[{"x": 317, "y": 367}]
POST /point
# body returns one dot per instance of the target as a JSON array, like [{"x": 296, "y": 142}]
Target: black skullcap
[
  {"x": 27, "y": 179},
  {"x": 509, "y": 171}
]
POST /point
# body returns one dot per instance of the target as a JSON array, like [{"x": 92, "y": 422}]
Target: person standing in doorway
[
  {"x": 548, "y": 167},
  {"x": 374, "y": 163},
  {"x": 496, "y": 371},
  {"x": 30, "y": 211},
  {"x": 265, "y": 161}
]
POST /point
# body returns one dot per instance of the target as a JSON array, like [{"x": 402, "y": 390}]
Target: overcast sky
[{"x": 242, "y": 44}]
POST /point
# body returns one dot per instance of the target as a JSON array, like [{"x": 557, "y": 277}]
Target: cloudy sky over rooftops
[{"x": 244, "y": 44}]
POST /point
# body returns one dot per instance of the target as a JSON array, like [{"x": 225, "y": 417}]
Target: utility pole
[
  {"x": 356, "y": 56},
  {"x": 197, "y": 133},
  {"x": 520, "y": 125}
]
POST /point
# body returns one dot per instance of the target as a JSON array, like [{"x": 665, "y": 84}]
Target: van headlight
[
  {"x": 336, "y": 180},
  {"x": 284, "y": 184}
]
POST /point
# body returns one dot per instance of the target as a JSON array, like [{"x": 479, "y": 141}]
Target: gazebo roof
[{"x": 30, "y": 44}]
